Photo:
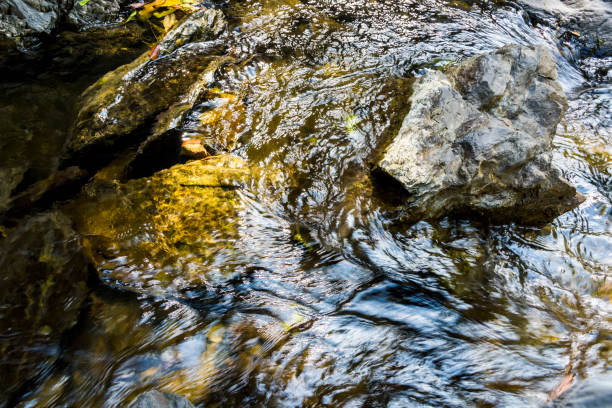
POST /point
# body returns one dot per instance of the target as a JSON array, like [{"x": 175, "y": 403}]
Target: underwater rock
[
  {"x": 167, "y": 232},
  {"x": 116, "y": 106},
  {"x": 594, "y": 392},
  {"x": 59, "y": 185},
  {"x": 164, "y": 147},
  {"x": 584, "y": 25},
  {"x": 478, "y": 139},
  {"x": 43, "y": 284},
  {"x": 156, "y": 399},
  {"x": 9, "y": 179}
]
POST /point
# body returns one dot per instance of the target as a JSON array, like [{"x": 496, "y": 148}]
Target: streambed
[{"x": 311, "y": 291}]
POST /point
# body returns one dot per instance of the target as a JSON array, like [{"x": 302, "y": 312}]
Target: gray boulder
[
  {"x": 156, "y": 399},
  {"x": 23, "y": 18},
  {"x": 478, "y": 139},
  {"x": 584, "y": 25}
]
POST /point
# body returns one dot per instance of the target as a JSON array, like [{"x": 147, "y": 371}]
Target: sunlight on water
[{"x": 306, "y": 291}]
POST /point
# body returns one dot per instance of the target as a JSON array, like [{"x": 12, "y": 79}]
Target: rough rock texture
[
  {"x": 123, "y": 100},
  {"x": 95, "y": 12},
  {"x": 156, "y": 399},
  {"x": 478, "y": 139},
  {"x": 22, "y": 21},
  {"x": 42, "y": 286},
  {"x": 163, "y": 146},
  {"x": 200, "y": 26}
]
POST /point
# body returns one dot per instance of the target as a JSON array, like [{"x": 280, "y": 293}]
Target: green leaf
[
  {"x": 131, "y": 17},
  {"x": 83, "y": 2}
]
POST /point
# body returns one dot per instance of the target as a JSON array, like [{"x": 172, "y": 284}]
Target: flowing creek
[{"x": 312, "y": 293}]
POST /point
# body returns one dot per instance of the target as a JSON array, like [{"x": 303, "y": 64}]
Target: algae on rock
[{"x": 174, "y": 229}]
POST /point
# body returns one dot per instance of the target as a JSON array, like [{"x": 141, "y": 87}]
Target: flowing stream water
[{"x": 321, "y": 296}]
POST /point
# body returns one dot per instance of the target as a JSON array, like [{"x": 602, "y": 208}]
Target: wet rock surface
[
  {"x": 43, "y": 285},
  {"x": 478, "y": 139},
  {"x": 94, "y": 13},
  {"x": 115, "y": 108},
  {"x": 584, "y": 25},
  {"x": 38, "y": 97},
  {"x": 22, "y": 22},
  {"x": 156, "y": 399}
]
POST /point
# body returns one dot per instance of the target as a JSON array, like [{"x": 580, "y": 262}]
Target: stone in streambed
[
  {"x": 583, "y": 26},
  {"x": 117, "y": 106},
  {"x": 478, "y": 139},
  {"x": 156, "y": 399},
  {"x": 176, "y": 229}
]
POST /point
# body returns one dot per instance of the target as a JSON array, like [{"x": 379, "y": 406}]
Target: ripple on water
[{"x": 316, "y": 295}]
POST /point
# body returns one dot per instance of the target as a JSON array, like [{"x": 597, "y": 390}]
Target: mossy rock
[{"x": 172, "y": 230}]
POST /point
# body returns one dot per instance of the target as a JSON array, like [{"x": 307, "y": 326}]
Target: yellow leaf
[{"x": 169, "y": 21}]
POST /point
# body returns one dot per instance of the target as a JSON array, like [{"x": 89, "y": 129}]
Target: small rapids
[{"x": 319, "y": 296}]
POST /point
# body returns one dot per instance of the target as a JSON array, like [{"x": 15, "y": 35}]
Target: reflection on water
[{"x": 332, "y": 301}]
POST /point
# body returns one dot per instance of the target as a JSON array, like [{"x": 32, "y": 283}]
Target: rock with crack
[
  {"x": 121, "y": 102},
  {"x": 478, "y": 140}
]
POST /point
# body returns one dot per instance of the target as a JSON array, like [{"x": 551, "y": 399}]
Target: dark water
[{"x": 319, "y": 297}]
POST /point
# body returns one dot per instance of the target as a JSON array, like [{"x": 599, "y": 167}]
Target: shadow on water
[{"x": 310, "y": 291}]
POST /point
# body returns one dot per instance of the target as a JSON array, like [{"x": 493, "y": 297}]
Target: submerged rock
[
  {"x": 43, "y": 284},
  {"x": 172, "y": 230},
  {"x": 156, "y": 399},
  {"x": 478, "y": 139},
  {"x": 585, "y": 25},
  {"x": 59, "y": 185},
  {"x": 594, "y": 392},
  {"x": 165, "y": 145},
  {"x": 116, "y": 106},
  {"x": 9, "y": 180}
]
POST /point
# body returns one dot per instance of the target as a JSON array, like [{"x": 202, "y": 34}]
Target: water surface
[{"x": 326, "y": 299}]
